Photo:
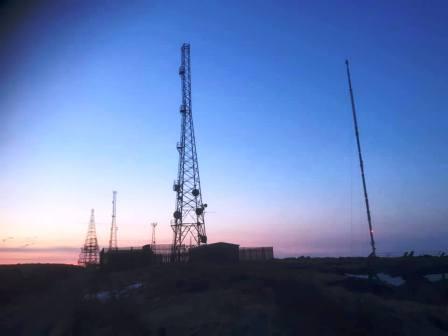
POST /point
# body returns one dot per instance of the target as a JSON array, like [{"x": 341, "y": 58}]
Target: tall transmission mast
[
  {"x": 90, "y": 251},
  {"x": 113, "y": 228},
  {"x": 361, "y": 162},
  {"x": 153, "y": 238},
  {"x": 189, "y": 213}
]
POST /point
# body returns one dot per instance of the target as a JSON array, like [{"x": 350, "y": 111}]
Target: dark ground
[{"x": 282, "y": 297}]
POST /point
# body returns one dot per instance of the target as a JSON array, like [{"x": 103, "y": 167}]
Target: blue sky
[{"x": 89, "y": 98}]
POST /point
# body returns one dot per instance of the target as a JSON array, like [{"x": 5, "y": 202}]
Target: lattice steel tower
[
  {"x": 90, "y": 251},
  {"x": 113, "y": 228},
  {"x": 189, "y": 213}
]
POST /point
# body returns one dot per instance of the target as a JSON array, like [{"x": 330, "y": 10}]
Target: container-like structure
[{"x": 215, "y": 253}]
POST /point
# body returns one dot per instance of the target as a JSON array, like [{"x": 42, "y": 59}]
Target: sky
[{"x": 89, "y": 103}]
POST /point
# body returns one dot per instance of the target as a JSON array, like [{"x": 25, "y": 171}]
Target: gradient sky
[{"x": 89, "y": 99}]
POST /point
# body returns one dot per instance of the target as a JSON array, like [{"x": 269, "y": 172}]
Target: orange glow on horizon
[{"x": 39, "y": 256}]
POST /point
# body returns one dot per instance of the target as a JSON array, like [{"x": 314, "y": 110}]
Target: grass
[{"x": 290, "y": 297}]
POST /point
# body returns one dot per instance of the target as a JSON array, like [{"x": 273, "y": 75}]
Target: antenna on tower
[
  {"x": 361, "y": 162},
  {"x": 90, "y": 251},
  {"x": 113, "y": 227},
  {"x": 153, "y": 239},
  {"x": 189, "y": 213}
]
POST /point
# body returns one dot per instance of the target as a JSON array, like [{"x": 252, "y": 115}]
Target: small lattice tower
[
  {"x": 153, "y": 239},
  {"x": 90, "y": 251}
]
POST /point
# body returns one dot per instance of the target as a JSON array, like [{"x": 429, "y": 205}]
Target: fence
[
  {"x": 256, "y": 253},
  {"x": 163, "y": 254}
]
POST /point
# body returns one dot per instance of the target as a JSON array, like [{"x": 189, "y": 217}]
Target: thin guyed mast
[
  {"x": 361, "y": 162},
  {"x": 113, "y": 228}
]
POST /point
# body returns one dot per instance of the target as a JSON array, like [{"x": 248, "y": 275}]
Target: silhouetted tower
[
  {"x": 153, "y": 239},
  {"x": 90, "y": 251},
  {"x": 189, "y": 213},
  {"x": 113, "y": 228},
  {"x": 361, "y": 162}
]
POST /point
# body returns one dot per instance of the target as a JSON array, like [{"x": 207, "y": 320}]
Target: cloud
[
  {"x": 6, "y": 239},
  {"x": 25, "y": 248}
]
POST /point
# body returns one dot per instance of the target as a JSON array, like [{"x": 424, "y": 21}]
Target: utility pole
[
  {"x": 113, "y": 228},
  {"x": 361, "y": 162},
  {"x": 189, "y": 213},
  {"x": 90, "y": 251},
  {"x": 153, "y": 240}
]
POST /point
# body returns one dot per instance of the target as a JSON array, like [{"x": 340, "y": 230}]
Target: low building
[{"x": 215, "y": 253}]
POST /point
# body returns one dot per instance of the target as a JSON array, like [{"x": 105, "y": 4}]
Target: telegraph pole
[{"x": 361, "y": 162}]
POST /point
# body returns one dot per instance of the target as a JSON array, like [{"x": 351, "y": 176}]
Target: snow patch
[{"x": 105, "y": 296}]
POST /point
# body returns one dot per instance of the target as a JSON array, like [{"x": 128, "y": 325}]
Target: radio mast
[
  {"x": 113, "y": 228},
  {"x": 361, "y": 162}
]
